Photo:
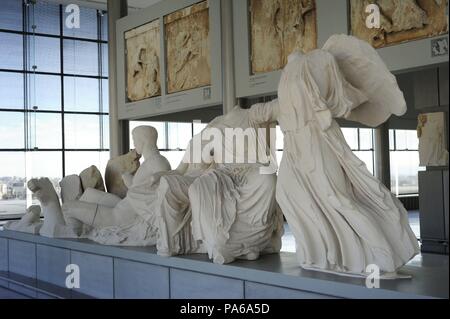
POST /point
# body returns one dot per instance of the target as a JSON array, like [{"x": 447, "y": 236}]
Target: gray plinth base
[{"x": 35, "y": 266}]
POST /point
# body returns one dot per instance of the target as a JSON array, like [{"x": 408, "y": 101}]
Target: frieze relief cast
[
  {"x": 143, "y": 54},
  {"x": 188, "y": 48},
  {"x": 400, "y": 20},
  {"x": 277, "y": 29},
  {"x": 432, "y": 142}
]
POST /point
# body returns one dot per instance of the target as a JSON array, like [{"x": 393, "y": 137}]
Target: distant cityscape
[
  {"x": 13, "y": 194},
  {"x": 12, "y": 188},
  {"x": 406, "y": 184}
]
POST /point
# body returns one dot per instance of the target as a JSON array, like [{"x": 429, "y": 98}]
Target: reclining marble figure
[
  {"x": 29, "y": 223},
  {"x": 343, "y": 219},
  {"x": 54, "y": 224},
  {"x": 130, "y": 221}
]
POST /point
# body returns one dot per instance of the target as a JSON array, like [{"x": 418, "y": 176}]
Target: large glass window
[
  {"x": 81, "y": 94},
  {"x": 11, "y": 54},
  {"x": 43, "y": 54},
  {"x": 82, "y": 131},
  {"x": 179, "y": 135},
  {"x": 12, "y": 130},
  {"x": 44, "y": 92},
  {"x": 77, "y": 161},
  {"x": 12, "y": 183},
  {"x": 11, "y": 90},
  {"x": 173, "y": 139},
  {"x": 404, "y": 154},
  {"x": 45, "y": 131},
  {"x": 360, "y": 141},
  {"x": 78, "y": 57},
  {"x": 88, "y": 28},
  {"x": 45, "y": 18},
  {"x": 11, "y": 15},
  {"x": 54, "y": 96}
]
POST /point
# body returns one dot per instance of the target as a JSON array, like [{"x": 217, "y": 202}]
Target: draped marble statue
[
  {"x": 220, "y": 204},
  {"x": 342, "y": 217},
  {"x": 234, "y": 212},
  {"x": 174, "y": 209},
  {"x": 129, "y": 221}
]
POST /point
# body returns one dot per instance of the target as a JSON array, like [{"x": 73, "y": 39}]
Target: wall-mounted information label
[
  {"x": 175, "y": 98},
  {"x": 157, "y": 102},
  {"x": 129, "y": 107},
  {"x": 439, "y": 47},
  {"x": 207, "y": 93},
  {"x": 257, "y": 80}
]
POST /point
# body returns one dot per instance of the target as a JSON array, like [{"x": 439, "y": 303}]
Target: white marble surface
[
  {"x": 342, "y": 217},
  {"x": 116, "y": 167},
  {"x": 54, "y": 224},
  {"x": 29, "y": 223},
  {"x": 288, "y": 240},
  {"x": 130, "y": 221},
  {"x": 91, "y": 177},
  {"x": 234, "y": 212}
]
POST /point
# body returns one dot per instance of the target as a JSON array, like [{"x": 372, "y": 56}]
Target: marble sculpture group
[{"x": 343, "y": 219}]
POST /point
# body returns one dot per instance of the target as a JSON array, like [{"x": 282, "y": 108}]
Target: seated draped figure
[{"x": 226, "y": 208}]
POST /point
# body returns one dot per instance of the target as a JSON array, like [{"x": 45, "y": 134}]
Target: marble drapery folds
[{"x": 342, "y": 217}]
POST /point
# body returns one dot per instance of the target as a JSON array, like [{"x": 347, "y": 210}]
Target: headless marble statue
[
  {"x": 129, "y": 221},
  {"x": 343, "y": 219},
  {"x": 234, "y": 212},
  {"x": 226, "y": 209}
]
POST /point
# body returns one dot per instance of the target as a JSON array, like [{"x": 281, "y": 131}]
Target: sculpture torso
[{"x": 151, "y": 165}]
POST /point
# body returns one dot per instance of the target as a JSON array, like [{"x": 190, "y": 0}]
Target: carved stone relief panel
[
  {"x": 278, "y": 27},
  {"x": 432, "y": 140},
  {"x": 188, "y": 48},
  {"x": 400, "y": 20},
  {"x": 143, "y": 56}
]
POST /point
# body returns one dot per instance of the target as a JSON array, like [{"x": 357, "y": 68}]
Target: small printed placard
[
  {"x": 257, "y": 80},
  {"x": 158, "y": 102},
  {"x": 207, "y": 93},
  {"x": 439, "y": 47}
]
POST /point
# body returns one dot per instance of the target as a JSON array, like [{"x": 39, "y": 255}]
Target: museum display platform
[{"x": 36, "y": 266}]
